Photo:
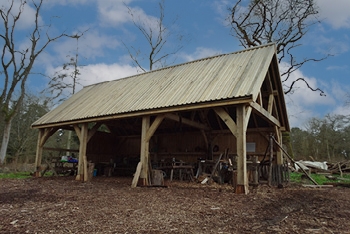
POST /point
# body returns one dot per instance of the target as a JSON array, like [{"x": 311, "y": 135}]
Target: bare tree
[
  {"x": 157, "y": 36},
  {"x": 17, "y": 62},
  {"x": 284, "y": 22},
  {"x": 67, "y": 79}
]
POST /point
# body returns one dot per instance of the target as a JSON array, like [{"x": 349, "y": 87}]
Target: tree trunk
[
  {"x": 5, "y": 141},
  {"x": 328, "y": 154}
]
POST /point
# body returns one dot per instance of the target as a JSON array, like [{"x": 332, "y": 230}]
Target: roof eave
[{"x": 233, "y": 101}]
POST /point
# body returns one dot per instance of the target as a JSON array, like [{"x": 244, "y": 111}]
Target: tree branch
[
  {"x": 156, "y": 36},
  {"x": 284, "y": 22},
  {"x": 290, "y": 88}
]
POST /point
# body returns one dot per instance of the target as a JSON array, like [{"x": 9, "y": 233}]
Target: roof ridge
[{"x": 189, "y": 62}]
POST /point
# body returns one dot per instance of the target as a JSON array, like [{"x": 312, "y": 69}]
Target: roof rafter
[{"x": 264, "y": 113}]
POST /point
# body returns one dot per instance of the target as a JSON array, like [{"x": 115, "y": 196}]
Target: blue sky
[{"x": 205, "y": 33}]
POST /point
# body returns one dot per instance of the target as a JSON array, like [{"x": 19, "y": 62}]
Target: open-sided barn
[{"x": 196, "y": 110}]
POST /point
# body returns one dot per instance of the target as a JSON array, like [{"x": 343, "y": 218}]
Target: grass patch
[
  {"x": 295, "y": 177},
  {"x": 15, "y": 175},
  {"x": 320, "y": 179}
]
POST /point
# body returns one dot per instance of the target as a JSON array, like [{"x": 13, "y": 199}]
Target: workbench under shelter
[{"x": 230, "y": 102}]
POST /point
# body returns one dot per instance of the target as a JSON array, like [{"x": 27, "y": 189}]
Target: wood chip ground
[{"x": 110, "y": 205}]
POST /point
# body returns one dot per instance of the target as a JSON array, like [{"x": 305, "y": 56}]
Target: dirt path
[{"x": 109, "y": 205}]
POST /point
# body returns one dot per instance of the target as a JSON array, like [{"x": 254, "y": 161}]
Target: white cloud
[
  {"x": 301, "y": 93},
  {"x": 336, "y": 13},
  {"x": 303, "y": 103},
  {"x": 337, "y": 68},
  {"x": 331, "y": 44},
  {"x": 96, "y": 73},
  {"x": 27, "y": 18},
  {"x": 53, "y": 3},
  {"x": 341, "y": 110},
  {"x": 200, "y": 52},
  {"x": 115, "y": 13},
  {"x": 339, "y": 92},
  {"x": 297, "y": 114},
  {"x": 221, "y": 7},
  {"x": 92, "y": 44}
]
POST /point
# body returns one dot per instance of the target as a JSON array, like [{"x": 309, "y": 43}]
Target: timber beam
[
  {"x": 226, "y": 118},
  {"x": 264, "y": 113},
  {"x": 187, "y": 122}
]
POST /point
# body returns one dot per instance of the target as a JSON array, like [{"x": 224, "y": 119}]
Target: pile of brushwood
[{"x": 336, "y": 174}]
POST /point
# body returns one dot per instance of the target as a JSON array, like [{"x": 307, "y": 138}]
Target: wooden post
[
  {"x": 242, "y": 177},
  {"x": 279, "y": 155},
  {"x": 270, "y": 161},
  {"x": 44, "y": 134},
  {"x": 79, "y": 175},
  {"x": 147, "y": 132},
  {"x": 82, "y": 163},
  {"x": 39, "y": 154},
  {"x": 84, "y": 133},
  {"x": 239, "y": 130},
  {"x": 144, "y": 154}
]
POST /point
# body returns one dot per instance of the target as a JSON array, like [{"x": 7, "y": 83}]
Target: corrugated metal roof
[{"x": 222, "y": 77}]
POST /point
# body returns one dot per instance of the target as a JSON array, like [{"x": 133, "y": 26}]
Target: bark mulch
[{"x": 110, "y": 205}]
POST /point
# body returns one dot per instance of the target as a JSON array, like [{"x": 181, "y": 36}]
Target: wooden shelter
[{"x": 230, "y": 101}]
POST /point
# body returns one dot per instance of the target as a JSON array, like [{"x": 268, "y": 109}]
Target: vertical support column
[
  {"x": 242, "y": 177},
  {"x": 144, "y": 154},
  {"x": 82, "y": 163},
  {"x": 39, "y": 153},
  {"x": 279, "y": 155},
  {"x": 147, "y": 131},
  {"x": 44, "y": 134},
  {"x": 271, "y": 165},
  {"x": 84, "y": 133}
]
